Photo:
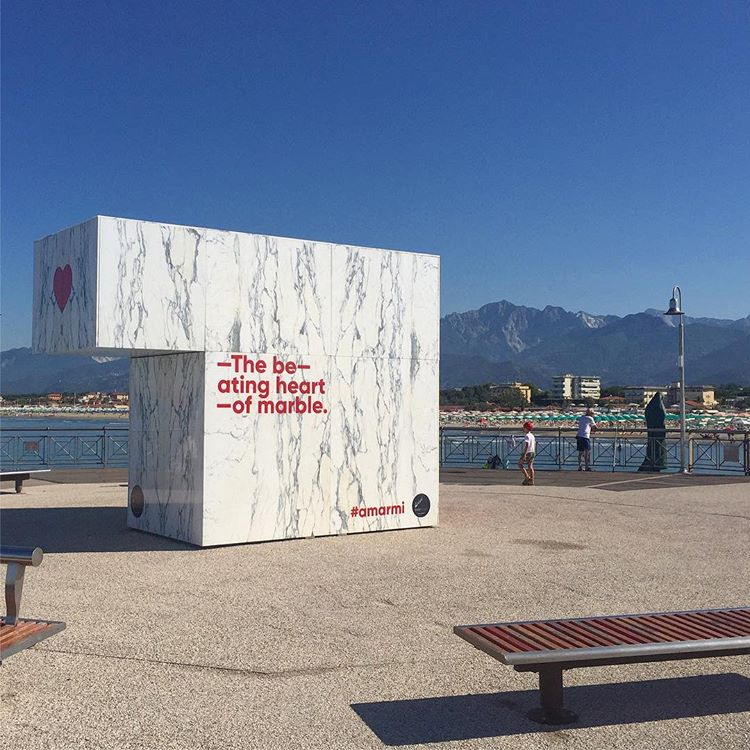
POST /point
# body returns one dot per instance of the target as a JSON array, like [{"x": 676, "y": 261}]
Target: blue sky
[{"x": 588, "y": 155}]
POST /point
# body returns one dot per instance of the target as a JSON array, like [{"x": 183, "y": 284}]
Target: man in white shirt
[{"x": 586, "y": 425}]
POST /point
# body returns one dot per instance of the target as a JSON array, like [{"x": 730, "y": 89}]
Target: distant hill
[
  {"x": 502, "y": 341},
  {"x": 498, "y": 342},
  {"x": 24, "y": 372},
  {"x": 501, "y": 330},
  {"x": 723, "y": 365},
  {"x": 632, "y": 350},
  {"x": 471, "y": 370},
  {"x": 742, "y": 323}
]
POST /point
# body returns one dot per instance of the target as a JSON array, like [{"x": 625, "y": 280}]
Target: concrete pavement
[{"x": 346, "y": 642}]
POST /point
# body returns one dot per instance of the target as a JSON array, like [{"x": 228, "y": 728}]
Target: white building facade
[{"x": 568, "y": 387}]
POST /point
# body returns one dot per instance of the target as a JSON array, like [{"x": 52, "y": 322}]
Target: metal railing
[
  {"x": 614, "y": 450},
  {"x": 55, "y": 447},
  {"x": 611, "y": 449}
]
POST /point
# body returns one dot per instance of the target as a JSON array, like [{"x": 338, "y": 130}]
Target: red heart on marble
[{"x": 62, "y": 285}]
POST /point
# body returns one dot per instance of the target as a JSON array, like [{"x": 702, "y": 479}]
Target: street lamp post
[{"x": 675, "y": 308}]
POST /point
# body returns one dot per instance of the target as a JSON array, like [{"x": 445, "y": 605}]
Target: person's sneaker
[
  {"x": 588, "y": 468},
  {"x": 525, "y": 483}
]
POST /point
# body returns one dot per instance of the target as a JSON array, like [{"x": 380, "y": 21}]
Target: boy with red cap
[{"x": 527, "y": 456}]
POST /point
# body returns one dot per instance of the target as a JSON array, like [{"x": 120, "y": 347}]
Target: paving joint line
[
  {"x": 260, "y": 673},
  {"x": 623, "y": 481}
]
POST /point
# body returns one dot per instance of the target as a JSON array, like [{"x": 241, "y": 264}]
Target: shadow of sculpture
[
  {"x": 85, "y": 529},
  {"x": 464, "y": 717}
]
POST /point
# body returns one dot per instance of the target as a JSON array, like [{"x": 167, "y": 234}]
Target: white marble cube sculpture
[{"x": 279, "y": 388}]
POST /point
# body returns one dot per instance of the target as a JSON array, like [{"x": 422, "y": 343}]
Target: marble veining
[
  {"x": 269, "y": 294},
  {"x": 152, "y": 294},
  {"x": 384, "y": 303}
]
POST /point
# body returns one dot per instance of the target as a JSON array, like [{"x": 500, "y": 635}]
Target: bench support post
[
  {"x": 19, "y": 485},
  {"x": 13, "y": 591},
  {"x": 551, "y": 710}
]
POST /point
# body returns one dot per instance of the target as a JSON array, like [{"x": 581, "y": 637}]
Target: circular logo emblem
[
  {"x": 420, "y": 505},
  {"x": 137, "y": 501}
]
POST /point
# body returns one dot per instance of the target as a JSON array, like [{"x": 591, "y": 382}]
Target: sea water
[{"x": 61, "y": 422}]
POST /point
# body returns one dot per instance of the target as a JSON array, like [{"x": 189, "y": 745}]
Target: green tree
[
  {"x": 729, "y": 390},
  {"x": 475, "y": 396},
  {"x": 539, "y": 396},
  {"x": 510, "y": 399}
]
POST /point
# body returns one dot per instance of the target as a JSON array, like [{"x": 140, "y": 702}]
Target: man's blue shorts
[{"x": 584, "y": 444}]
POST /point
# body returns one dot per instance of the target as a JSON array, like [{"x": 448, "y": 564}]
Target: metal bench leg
[
  {"x": 19, "y": 485},
  {"x": 551, "y": 697},
  {"x": 13, "y": 591}
]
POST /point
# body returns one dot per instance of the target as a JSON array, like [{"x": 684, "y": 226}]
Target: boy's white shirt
[{"x": 529, "y": 443}]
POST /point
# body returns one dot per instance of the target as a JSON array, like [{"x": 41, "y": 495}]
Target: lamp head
[{"x": 674, "y": 308}]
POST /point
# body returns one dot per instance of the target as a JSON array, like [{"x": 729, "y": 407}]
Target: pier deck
[{"x": 347, "y": 642}]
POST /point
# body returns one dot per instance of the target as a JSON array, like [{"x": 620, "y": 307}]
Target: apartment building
[
  {"x": 568, "y": 387},
  {"x": 642, "y": 394},
  {"x": 703, "y": 394},
  {"x": 587, "y": 386},
  {"x": 562, "y": 387}
]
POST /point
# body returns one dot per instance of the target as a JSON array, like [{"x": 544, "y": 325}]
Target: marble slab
[
  {"x": 384, "y": 443},
  {"x": 269, "y": 294},
  {"x": 65, "y": 278},
  {"x": 138, "y": 287},
  {"x": 349, "y": 455},
  {"x": 267, "y": 462},
  {"x": 385, "y": 303},
  {"x": 166, "y": 445},
  {"x": 151, "y": 285}
]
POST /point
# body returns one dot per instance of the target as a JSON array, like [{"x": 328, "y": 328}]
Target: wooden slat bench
[
  {"x": 18, "y": 633},
  {"x": 551, "y": 646},
  {"x": 19, "y": 476}
]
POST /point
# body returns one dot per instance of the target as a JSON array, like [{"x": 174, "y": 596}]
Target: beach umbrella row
[{"x": 568, "y": 419}]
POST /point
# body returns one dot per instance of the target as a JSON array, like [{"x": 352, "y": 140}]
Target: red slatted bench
[
  {"x": 18, "y": 633},
  {"x": 550, "y": 646}
]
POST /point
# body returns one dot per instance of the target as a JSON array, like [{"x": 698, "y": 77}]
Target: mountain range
[
  {"x": 502, "y": 341},
  {"x": 24, "y": 372},
  {"x": 498, "y": 342}
]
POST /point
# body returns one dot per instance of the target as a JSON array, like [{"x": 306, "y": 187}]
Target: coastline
[
  {"x": 713, "y": 421},
  {"x": 41, "y": 412},
  {"x": 453, "y": 419}
]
